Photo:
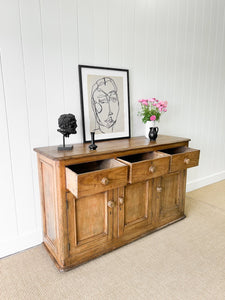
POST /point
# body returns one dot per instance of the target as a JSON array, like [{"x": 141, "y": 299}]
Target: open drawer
[
  {"x": 145, "y": 166},
  {"x": 182, "y": 158},
  {"x": 95, "y": 177}
]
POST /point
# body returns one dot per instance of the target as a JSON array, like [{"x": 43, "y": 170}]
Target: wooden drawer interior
[
  {"x": 178, "y": 150},
  {"x": 95, "y": 166},
  {"x": 95, "y": 177},
  {"x": 144, "y": 166},
  {"x": 141, "y": 156},
  {"x": 182, "y": 158}
]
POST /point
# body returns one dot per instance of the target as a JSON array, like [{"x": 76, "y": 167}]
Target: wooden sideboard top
[{"x": 106, "y": 147}]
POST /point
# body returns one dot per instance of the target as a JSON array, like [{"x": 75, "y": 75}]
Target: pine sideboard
[{"x": 96, "y": 201}]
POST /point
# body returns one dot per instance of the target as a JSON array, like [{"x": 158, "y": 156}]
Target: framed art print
[{"x": 105, "y": 102}]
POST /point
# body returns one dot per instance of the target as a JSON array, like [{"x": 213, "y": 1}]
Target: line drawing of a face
[{"x": 105, "y": 103}]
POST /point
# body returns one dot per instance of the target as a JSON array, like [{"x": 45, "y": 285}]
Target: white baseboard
[
  {"x": 196, "y": 184},
  {"x": 20, "y": 243}
]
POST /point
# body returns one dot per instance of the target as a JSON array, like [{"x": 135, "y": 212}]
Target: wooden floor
[{"x": 183, "y": 261}]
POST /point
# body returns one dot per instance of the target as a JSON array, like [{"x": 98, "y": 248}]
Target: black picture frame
[{"x": 105, "y": 102}]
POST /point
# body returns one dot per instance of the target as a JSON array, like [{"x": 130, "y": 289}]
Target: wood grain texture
[
  {"x": 90, "y": 217},
  {"x": 146, "y": 166},
  {"x": 103, "y": 211},
  {"x": 171, "y": 196},
  {"x": 137, "y": 212},
  {"x": 48, "y": 203},
  {"x": 182, "y": 158},
  {"x": 94, "y": 181},
  {"x": 89, "y": 222},
  {"x": 114, "y": 146}
]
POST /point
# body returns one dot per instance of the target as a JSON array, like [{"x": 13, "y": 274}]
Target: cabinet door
[
  {"x": 170, "y": 195},
  {"x": 135, "y": 208},
  {"x": 89, "y": 221}
]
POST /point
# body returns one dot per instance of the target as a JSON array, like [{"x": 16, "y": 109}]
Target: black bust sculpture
[{"x": 67, "y": 125}]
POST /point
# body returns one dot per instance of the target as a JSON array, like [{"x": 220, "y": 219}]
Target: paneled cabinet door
[
  {"x": 169, "y": 193},
  {"x": 89, "y": 220},
  {"x": 135, "y": 207}
]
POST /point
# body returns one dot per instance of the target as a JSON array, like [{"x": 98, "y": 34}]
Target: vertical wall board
[
  {"x": 35, "y": 86},
  {"x": 189, "y": 64},
  {"x": 16, "y": 111},
  {"x": 101, "y": 31},
  {"x": 7, "y": 201},
  {"x": 161, "y": 23},
  {"x": 140, "y": 56},
  {"x": 128, "y": 12},
  {"x": 34, "y": 71},
  {"x": 52, "y": 49},
  {"x": 151, "y": 45},
  {"x": 70, "y": 45},
  {"x": 171, "y": 82},
  {"x": 128, "y": 23},
  {"x": 163, "y": 28},
  {"x": 115, "y": 32},
  {"x": 215, "y": 88},
  {"x": 196, "y": 76},
  {"x": 199, "y": 73},
  {"x": 176, "y": 68},
  {"x": 221, "y": 90},
  {"x": 202, "y": 76},
  {"x": 86, "y": 32}
]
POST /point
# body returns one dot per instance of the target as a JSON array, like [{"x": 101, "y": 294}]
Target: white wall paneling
[
  {"x": 7, "y": 203},
  {"x": 70, "y": 59},
  {"x": 174, "y": 51},
  {"x": 101, "y": 33},
  {"x": 16, "y": 107}
]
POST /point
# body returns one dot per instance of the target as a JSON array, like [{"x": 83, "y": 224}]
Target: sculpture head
[{"x": 67, "y": 124}]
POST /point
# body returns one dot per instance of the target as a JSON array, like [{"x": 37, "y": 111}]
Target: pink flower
[
  {"x": 165, "y": 102},
  {"x": 151, "y": 100},
  {"x": 152, "y": 118},
  {"x": 140, "y": 101},
  {"x": 165, "y": 109},
  {"x": 158, "y": 105},
  {"x": 160, "y": 109},
  {"x": 145, "y": 102},
  {"x": 154, "y": 104}
]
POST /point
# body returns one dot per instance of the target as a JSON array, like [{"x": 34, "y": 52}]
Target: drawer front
[
  {"x": 144, "y": 170},
  {"x": 97, "y": 181},
  {"x": 185, "y": 160}
]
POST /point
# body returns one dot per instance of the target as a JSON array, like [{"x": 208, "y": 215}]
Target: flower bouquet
[{"x": 151, "y": 110}]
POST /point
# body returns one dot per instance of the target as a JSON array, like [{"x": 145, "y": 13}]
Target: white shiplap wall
[{"x": 173, "y": 49}]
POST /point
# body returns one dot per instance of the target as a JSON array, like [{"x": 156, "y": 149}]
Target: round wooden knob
[
  {"x": 151, "y": 169},
  {"x": 159, "y": 189},
  {"x": 105, "y": 181},
  {"x": 187, "y": 161},
  {"x": 121, "y": 200},
  {"x": 110, "y": 204}
]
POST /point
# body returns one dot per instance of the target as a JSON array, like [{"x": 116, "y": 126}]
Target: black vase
[
  {"x": 153, "y": 133},
  {"x": 93, "y": 146}
]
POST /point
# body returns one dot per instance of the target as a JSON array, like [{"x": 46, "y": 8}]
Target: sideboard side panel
[{"x": 48, "y": 200}]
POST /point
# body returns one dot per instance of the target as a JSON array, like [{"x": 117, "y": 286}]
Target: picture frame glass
[{"x": 104, "y": 102}]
